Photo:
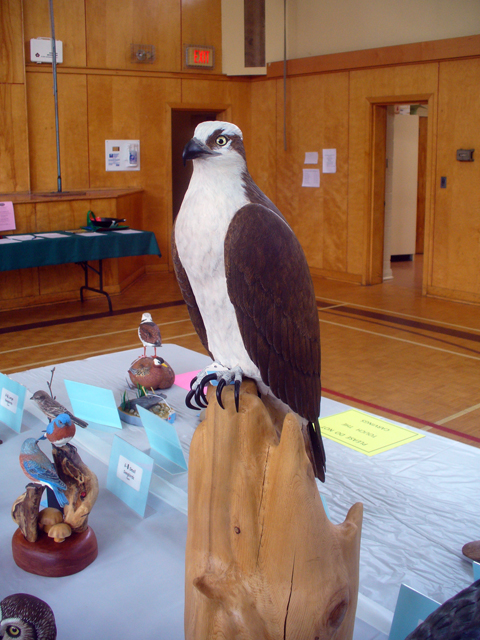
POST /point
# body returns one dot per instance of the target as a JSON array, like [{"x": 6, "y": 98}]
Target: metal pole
[{"x": 55, "y": 95}]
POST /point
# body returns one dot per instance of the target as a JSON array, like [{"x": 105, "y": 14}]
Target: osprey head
[{"x": 214, "y": 139}]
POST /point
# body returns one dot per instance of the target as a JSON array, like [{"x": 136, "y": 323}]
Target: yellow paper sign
[{"x": 364, "y": 433}]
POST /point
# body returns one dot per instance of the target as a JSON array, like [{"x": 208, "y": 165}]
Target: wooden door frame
[
  {"x": 221, "y": 109},
  {"x": 375, "y": 226}
]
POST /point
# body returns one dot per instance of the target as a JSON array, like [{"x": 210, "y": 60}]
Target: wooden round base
[
  {"x": 45, "y": 557},
  {"x": 472, "y": 550}
]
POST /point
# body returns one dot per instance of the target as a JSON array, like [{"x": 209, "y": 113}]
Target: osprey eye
[
  {"x": 221, "y": 141},
  {"x": 12, "y": 631}
]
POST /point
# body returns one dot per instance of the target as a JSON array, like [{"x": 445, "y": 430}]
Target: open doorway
[
  {"x": 183, "y": 127},
  {"x": 399, "y": 154}
]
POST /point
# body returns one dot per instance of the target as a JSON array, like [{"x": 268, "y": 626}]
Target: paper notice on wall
[
  {"x": 329, "y": 161},
  {"x": 311, "y": 157},
  {"x": 311, "y": 178},
  {"x": 7, "y": 217}
]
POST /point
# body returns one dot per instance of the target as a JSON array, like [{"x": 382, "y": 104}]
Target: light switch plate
[{"x": 122, "y": 155}]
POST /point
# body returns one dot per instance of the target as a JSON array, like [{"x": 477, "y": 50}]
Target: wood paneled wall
[
  {"x": 330, "y": 108},
  {"x": 330, "y": 104}
]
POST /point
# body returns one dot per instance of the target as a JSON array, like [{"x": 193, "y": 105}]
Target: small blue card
[
  {"x": 166, "y": 449},
  {"x": 129, "y": 474},
  {"x": 95, "y": 405},
  {"x": 411, "y": 609},
  {"x": 476, "y": 571},
  {"x": 12, "y": 399}
]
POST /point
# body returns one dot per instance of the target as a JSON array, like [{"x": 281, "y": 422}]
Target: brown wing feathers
[{"x": 270, "y": 287}]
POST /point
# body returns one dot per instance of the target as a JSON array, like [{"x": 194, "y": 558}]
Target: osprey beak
[{"x": 196, "y": 149}]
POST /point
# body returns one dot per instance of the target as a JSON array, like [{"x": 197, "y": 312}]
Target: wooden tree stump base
[
  {"x": 45, "y": 557},
  {"x": 263, "y": 562}
]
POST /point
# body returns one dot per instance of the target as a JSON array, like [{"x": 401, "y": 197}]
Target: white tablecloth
[{"x": 420, "y": 507}]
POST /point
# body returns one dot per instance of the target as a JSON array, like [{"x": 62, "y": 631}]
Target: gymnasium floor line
[
  {"x": 88, "y": 316},
  {"x": 340, "y": 303},
  {"x": 405, "y": 416},
  {"x": 416, "y": 344},
  {"x": 88, "y": 337},
  {"x": 408, "y": 331},
  {"x": 88, "y": 354}
]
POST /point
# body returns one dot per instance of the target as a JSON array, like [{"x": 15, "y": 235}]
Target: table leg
[{"x": 86, "y": 266}]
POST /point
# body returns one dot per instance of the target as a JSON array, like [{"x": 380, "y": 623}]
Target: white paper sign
[
  {"x": 129, "y": 473},
  {"x": 329, "y": 161},
  {"x": 311, "y": 178},
  {"x": 9, "y": 400},
  {"x": 311, "y": 157},
  {"x": 7, "y": 217}
]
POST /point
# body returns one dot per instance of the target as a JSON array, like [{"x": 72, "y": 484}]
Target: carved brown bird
[
  {"x": 246, "y": 282},
  {"x": 149, "y": 334}
]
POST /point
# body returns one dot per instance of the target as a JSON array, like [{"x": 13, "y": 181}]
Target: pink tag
[
  {"x": 7, "y": 217},
  {"x": 183, "y": 380}
]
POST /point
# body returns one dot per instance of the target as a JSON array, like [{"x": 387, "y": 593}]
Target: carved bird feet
[{"x": 215, "y": 374}]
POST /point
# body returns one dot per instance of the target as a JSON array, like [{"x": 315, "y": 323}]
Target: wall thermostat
[{"x": 465, "y": 155}]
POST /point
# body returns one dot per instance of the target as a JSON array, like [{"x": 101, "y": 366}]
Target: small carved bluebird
[
  {"x": 60, "y": 430},
  {"x": 38, "y": 468},
  {"x": 149, "y": 334},
  {"x": 51, "y": 408},
  {"x": 26, "y": 617}
]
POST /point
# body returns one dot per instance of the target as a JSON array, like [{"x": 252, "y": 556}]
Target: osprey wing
[
  {"x": 189, "y": 296},
  {"x": 271, "y": 289}
]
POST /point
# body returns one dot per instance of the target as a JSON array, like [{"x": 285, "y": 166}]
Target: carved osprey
[{"x": 246, "y": 282}]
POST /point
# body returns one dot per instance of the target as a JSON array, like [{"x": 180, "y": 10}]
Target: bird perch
[{"x": 262, "y": 559}]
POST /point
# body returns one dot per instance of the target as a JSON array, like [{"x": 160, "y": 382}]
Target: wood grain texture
[
  {"x": 142, "y": 115},
  {"x": 317, "y": 118},
  {"x": 456, "y": 229},
  {"x": 72, "y": 111},
  {"x": 113, "y": 25},
  {"x": 262, "y": 558},
  {"x": 202, "y": 25},
  {"x": 422, "y": 184},
  {"x": 11, "y": 42},
  {"x": 14, "y": 152},
  {"x": 69, "y": 17}
]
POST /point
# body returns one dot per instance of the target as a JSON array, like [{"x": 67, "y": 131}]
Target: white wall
[
  {"x": 317, "y": 27},
  {"x": 330, "y": 26},
  {"x": 404, "y": 185}
]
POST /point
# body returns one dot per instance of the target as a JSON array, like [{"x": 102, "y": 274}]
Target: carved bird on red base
[{"x": 247, "y": 285}]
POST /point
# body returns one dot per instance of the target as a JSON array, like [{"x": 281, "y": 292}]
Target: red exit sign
[{"x": 203, "y": 57}]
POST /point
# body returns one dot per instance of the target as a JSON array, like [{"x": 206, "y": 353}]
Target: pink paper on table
[
  {"x": 7, "y": 216},
  {"x": 183, "y": 380}
]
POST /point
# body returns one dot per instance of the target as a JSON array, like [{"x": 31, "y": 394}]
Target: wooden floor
[{"x": 385, "y": 349}]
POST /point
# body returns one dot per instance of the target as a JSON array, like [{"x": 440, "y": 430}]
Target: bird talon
[
  {"x": 221, "y": 384},
  {"x": 198, "y": 397},
  {"x": 237, "y": 394},
  {"x": 188, "y": 400}
]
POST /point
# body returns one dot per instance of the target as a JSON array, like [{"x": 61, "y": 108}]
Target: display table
[
  {"x": 420, "y": 507},
  {"x": 80, "y": 248}
]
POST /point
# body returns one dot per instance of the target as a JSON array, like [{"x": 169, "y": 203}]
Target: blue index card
[
  {"x": 166, "y": 449},
  {"x": 476, "y": 571},
  {"x": 129, "y": 474},
  {"x": 95, "y": 405},
  {"x": 411, "y": 609},
  {"x": 12, "y": 399}
]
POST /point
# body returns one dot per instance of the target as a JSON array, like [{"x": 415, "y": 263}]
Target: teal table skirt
[{"x": 76, "y": 247}]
